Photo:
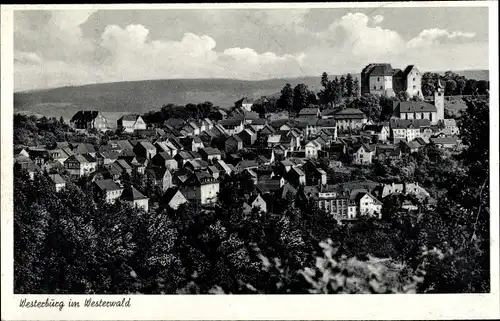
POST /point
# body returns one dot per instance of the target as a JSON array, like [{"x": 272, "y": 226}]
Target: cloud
[
  {"x": 431, "y": 36},
  {"x": 378, "y": 19},
  {"x": 51, "y": 50},
  {"x": 353, "y": 34}
]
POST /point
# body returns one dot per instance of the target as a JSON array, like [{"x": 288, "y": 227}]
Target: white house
[
  {"x": 364, "y": 154},
  {"x": 174, "y": 198},
  {"x": 369, "y": 205},
  {"x": 131, "y": 123},
  {"x": 312, "y": 148},
  {"x": 58, "y": 181}
]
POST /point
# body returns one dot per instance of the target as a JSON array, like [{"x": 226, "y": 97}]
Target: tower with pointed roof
[{"x": 439, "y": 100}]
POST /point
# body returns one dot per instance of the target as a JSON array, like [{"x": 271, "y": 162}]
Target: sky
[{"x": 75, "y": 47}]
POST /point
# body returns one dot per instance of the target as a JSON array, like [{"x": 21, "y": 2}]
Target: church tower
[{"x": 439, "y": 101}]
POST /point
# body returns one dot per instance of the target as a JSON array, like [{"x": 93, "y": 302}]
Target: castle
[{"x": 382, "y": 79}]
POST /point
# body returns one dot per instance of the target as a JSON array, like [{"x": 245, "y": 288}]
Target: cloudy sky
[{"x": 60, "y": 48}]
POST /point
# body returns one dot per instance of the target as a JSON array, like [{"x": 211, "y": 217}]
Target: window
[
  {"x": 381, "y": 87},
  {"x": 378, "y": 78},
  {"x": 414, "y": 87},
  {"x": 374, "y": 87},
  {"x": 413, "y": 79}
]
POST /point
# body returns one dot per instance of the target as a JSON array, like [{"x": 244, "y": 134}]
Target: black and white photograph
[{"x": 248, "y": 150}]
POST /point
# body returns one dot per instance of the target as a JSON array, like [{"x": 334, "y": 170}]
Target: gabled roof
[
  {"x": 234, "y": 137},
  {"x": 230, "y": 122},
  {"x": 366, "y": 147},
  {"x": 374, "y": 128},
  {"x": 170, "y": 193},
  {"x": 247, "y": 164},
  {"x": 85, "y": 116},
  {"x": 123, "y": 164},
  {"x": 132, "y": 194},
  {"x": 350, "y": 113},
  {"x": 210, "y": 151},
  {"x": 326, "y": 122},
  {"x": 444, "y": 140},
  {"x": 407, "y": 123},
  {"x": 107, "y": 185},
  {"x": 379, "y": 69},
  {"x": 175, "y": 123},
  {"x": 309, "y": 111},
  {"x": 450, "y": 122},
  {"x": 304, "y": 122},
  {"x": 163, "y": 155},
  {"x": 129, "y": 117},
  {"x": 122, "y": 144},
  {"x": 57, "y": 179},
  {"x": 146, "y": 145},
  {"x": 415, "y": 107},
  {"x": 408, "y": 69}
]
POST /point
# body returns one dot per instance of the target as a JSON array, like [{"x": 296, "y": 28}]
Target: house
[
  {"x": 255, "y": 201},
  {"x": 296, "y": 176},
  {"x": 407, "y": 129},
  {"x": 369, "y": 205},
  {"x": 308, "y": 125},
  {"x": 218, "y": 114},
  {"x": 210, "y": 154},
  {"x": 84, "y": 148},
  {"x": 170, "y": 146},
  {"x": 232, "y": 126},
  {"x": 163, "y": 159},
  {"x": 161, "y": 177},
  {"x": 108, "y": 189},
  {"x": 106, "y": 158},
  {"x": 350, "y": 118},
  {"x": 329, "y": 125},
  {"x": 450, "y": 127},
  {"x": 364, "y": 154},
  {"x": 388, "y": 152},
  {"x": 58, "y": 181},
  {"x": 233, "y": 144},
  {"x": 244, "y": 103},
  {"x": 196, "y": 164},
  {"x": 191, "y": 129},
  {"x": 174, "y": 123},
  {"x": 445, "y": 142},
  {"x": 312, "y": 149},
  {"x": 247, "y": 117},
  {"x": 247, "y": 164},
  {"x": 416, "y": 110},
  {"x": 120, "y": 145},
  {"x": 332, "y": 202},
  {"x": 312, "y": 112},
  {"x": 382, "y": 79},
  {"x": 123, "y": 166},
  {"x": 408, "y": 80},
  {"x": 86, "y": 120},
  {"x": 224, "y": 169},
  {"x": 131, "y": 123},
  {"x": 182, "y": 157},
  {"x": 212, "y": 170},
  {"x": 409, "y": 147},
  {"x": 173, "y": 198},
  {"x": 58, "y": 155},
  {"x": 135, "y": 198},
  {"x": 201, "y": 187},
  {"x": 145, "y": 149},
  {"x": 380, "y": 132},
  {"x": 192, "y": 143},
  {"x": 77, "y": 165},
  {"x": 248, "y": 137}
]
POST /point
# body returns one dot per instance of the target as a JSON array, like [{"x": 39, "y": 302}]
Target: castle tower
[{"x": 439, "y": 101}]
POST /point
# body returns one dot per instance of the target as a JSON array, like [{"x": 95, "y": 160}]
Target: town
[{"x": 279, "y": 154}]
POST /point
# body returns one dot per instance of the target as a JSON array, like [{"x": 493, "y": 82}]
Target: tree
[
  {"x": 342, "y": 85},
  {"x": 370, "y": 105},
  {"x": 324, "y": 79},
  {"x": 356, "y": 87},
  {"x": 470, "y": 87},
  {"x": 450, "y": 87},
  {"x": 482, "y": 87},
  {"x": 349, "y": 85},
  {"x": 336, "y": 91},
  {"x": 285, "y": 102},
  {"x": 300, "y": 97},
  {"x": 461, "y": 82}
]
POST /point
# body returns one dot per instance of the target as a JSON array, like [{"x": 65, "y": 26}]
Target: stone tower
[{"x": 439, "y": 101}]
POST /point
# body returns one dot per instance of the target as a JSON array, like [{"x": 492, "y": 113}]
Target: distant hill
[{"x": 142, "y": 96}]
